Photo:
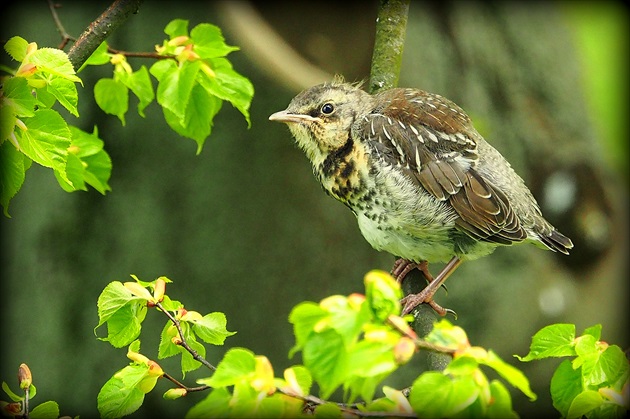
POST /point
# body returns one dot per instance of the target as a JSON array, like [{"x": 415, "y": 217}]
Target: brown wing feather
[{"x": 435, "y": 140}]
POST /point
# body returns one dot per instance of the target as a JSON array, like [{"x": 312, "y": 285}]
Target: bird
[{"x": 424, "y": 185}]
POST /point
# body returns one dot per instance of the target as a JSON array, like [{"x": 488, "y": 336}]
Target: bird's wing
[{"x": 433, "y": 140}]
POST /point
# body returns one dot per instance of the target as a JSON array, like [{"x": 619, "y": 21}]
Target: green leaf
[
  {"x": 303, "y": 378},
  {"x": 566, "y": 384},
  {"x": 16, "y": 48},
  {"x": 17, "y": 98},
  {"x": 112, "y": 97},
  {"x": 209, "y": 41},
  {"x": 100, "y": 56},
  {"x": 583, "y": 403},
  {"x": 123, "y": 312},
  {"x": 215, "y": 405},
  {"x": 13, "y": 166},
  {"x": 552, "y": 341},
  {"x": 14, "y": 397},
  {"x": 511, "y": 374},
  {"x": 345, "y": 319},
  {"x": 139, "y": 83},
  {"x": 212, "y": 328},
  {"x": 430, "y": 395},
  {"x": 229, "y": 85},
  {"x": 176, "y": 27},
  {"x": 235, "y": 365},
  {"x": 46, "y": 410},
  {"x": 96, "y": 165},
  {"x": 175, "y": 87},
  {"x": 197, "y": 121},
  {"x": 325, "y": 356},
  {"x": 167, "y": 348},
  {"x": 46, "y": 140},
  {"x": 328, "y": 410},
  {"x": 65, "y": 91},
  {"x": 615, "y": 366},
  {"x": 120, "y": 395},
  {"x": 595, "y": 331},
  {"x": 500, "y": 406},
  {"x": 445, "y": 334},
  {"x": 304, "y": 317},
  {"x": 383, "y": 294},
  {"x": 54, "y": 61},
  {"x": 74, "y": 172}
]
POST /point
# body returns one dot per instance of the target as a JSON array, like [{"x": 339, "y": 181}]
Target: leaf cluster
[
  {"x": 594, "y": 383},
  {"x": 193, "y": 79},
  {"x": 31, "y": 131},
  {"x": 347, "y": 342}
]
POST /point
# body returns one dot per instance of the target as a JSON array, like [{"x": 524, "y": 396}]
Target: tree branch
[
  {"x": 391, "y": 26},
  {"x": 100, "y": 29}
]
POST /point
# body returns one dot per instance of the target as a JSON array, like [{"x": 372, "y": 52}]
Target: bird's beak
[{"x": 288, "y": 117}]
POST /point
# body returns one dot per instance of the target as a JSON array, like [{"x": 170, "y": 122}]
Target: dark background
[{"x": 244, "y": 228}]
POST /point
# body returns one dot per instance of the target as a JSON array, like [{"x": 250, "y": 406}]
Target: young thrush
[{"x": 422, "y": 182}]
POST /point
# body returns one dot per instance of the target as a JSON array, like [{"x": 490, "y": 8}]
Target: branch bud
[
  {"x": 24, "y": 376},
  {"x": 159, "y": 289},
  {"x": 175, "y": 393}
]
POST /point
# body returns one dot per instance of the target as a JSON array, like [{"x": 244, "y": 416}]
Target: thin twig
[
  {"x": 183, "y": 342},
  {"x": 65, "y": 36},
  {"x": 185, "y": 387}
]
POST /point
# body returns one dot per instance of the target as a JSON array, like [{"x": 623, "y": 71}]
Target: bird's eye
[{"x": 327, "y": 108}]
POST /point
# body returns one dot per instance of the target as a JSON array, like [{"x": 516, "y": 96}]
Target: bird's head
[{"x": 321, "y": 118}]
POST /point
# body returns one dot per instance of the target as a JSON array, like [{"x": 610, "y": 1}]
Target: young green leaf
[
  {"x": 46, "y": 410},
  {"x": 584, "y": 403},
  {"x": 13, "y": 166},
  {"x": 552, "y": 341},
  {"x": 46, "y": 140},
  {"x": 212, "y": 328},
  {"x": 121, "y": 394},
  {"x": 16, "y": 48},
  {"x": 566, "y": 384},
  {"x": 325, "y": 355},
  {"x": 65, "y": 91},
  {"x": 123, "y": 312},
  {"x": 209, "y": 41},
  {"x": 228, "y": 85},
  {"x": 511, "y": 374},
  {"x": 54, "y": 61},
  {"x": 112, "y": 97},
  {"x": 176, "y": 27},
  {"x": 100, "y": 56},
  {"x": 237, "y": 364},
  {"x": 215, "y": 405},
  {"x": 139, "y": 83},
  {"x": 17, "y": 101}
]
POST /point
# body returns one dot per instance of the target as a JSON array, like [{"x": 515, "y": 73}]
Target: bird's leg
[{"x": 426, "y": 295}]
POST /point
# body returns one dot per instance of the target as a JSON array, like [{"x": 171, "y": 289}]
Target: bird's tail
[{"x": 556, "y": 241}]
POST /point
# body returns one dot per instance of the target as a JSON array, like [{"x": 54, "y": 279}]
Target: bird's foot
[
  {"x": 412, "y": 301},
  {"x": 403, "y": 266}
]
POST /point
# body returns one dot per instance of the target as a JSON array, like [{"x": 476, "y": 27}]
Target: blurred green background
[{"x": 245, "y": 229}]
